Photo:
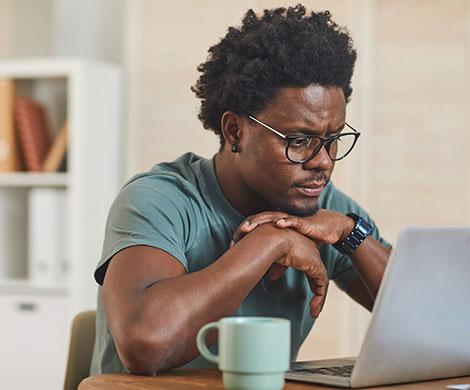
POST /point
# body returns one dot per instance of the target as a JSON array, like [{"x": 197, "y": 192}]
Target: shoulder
[{"x": 174, "y": 182}]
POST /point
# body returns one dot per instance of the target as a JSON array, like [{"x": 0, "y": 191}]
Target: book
[
  {"x": 10, "y": 158},
  {"x": 33, "y": 132},
  {"x": 56, "y": 154}
]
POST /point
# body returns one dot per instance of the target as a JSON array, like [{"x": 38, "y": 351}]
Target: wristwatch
[{"x": 362, "y": 229}]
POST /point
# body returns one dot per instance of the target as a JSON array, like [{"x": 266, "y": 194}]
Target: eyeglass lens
[{"x": 301, "y": 149}]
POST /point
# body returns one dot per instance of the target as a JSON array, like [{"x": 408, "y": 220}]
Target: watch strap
[{"x": 362, "y": 229}]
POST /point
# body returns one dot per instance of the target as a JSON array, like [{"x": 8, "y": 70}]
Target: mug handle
[{"x": 201, "y": 342}]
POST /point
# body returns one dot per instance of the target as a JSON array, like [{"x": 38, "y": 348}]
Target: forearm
[
  {"x": 168, "y": 314},
  {"x": 370, "y": 259}
]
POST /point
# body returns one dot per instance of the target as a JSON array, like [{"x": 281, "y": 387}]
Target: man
[{"x": 249, "y": 232}]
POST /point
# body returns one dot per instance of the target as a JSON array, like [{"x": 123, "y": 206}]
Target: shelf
[
  {"x": 27, "y": 179},
  {"x": 88, "y": 94},
  {"x": 32, "y": 68},
  {"x": 21, "y": 286}
]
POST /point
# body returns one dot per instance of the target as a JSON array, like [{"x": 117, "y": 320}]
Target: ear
[{"x": 231, "y": 125}]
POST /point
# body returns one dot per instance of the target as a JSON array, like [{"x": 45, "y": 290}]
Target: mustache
[{"x": 320, "y": 177}]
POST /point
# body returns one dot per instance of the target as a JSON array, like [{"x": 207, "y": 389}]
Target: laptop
[{"x": 420, "y": 326}]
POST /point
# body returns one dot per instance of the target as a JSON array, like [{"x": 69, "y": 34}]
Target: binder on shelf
[
  {"x": 56, "y": 154},
  {"x": 13, "y": 231},
  {"x": 10, "y": 159},
  {"x": 33, "y": 132},
  {"x": 46, "y": 235}
]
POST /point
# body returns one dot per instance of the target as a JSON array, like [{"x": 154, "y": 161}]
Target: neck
[{"x": 236, "y": 190}]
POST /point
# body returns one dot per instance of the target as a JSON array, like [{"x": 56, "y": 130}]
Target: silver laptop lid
[{"x": 420, "y": 328}]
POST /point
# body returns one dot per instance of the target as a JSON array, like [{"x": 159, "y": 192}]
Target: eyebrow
[{"x": 306, "y": 131}]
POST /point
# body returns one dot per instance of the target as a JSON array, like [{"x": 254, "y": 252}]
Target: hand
[
  {"x": 299, "y": 252},
  {"x": 303, "y": 255},
  {"x": 324, "y": 227},
  {"x": 255, "y": 220}
]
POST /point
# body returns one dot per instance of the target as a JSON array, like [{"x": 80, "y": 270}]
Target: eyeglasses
[{"x": 302, "y": 148}]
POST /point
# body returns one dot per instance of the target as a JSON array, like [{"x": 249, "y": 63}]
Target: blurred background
[{"x": 118, "y": 74}]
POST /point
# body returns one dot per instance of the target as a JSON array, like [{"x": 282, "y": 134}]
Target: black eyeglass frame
[{"x": 324, "y": 141}]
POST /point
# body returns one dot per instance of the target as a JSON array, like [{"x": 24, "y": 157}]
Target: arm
[
  {"x": 358, "y": 292},
  {"x": 154, "y": 309},
  {"x": 370, "y": 259}
]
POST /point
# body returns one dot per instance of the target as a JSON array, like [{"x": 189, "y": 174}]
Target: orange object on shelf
[
  {"x": 10, "y": 158},
  {"x": 33, "y": 133}
]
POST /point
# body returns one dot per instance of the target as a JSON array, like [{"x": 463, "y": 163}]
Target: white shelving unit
[
  {"x": 88, "y": 94},
  {"x": 24, "y": 179}
]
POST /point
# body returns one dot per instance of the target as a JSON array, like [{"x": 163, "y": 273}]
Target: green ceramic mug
[{"x": 254, "y": 352}]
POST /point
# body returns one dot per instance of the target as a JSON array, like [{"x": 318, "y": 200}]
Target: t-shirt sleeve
[
  {"x": 148, "y": 211},
  {"x": 342, "y": 269}
]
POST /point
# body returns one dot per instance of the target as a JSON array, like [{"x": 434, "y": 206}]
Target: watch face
[{"x": 364, "y": 227}]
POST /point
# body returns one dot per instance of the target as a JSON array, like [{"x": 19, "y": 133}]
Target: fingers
[
  {"x": 306, "y": 227},
  {"x": 312, "y": 265},
  {"x": 319, "y": 285},
  {"x": 253, "y": 221},
  {"x": 325, "y": 226},
  {"x": 243, "y": 229},
  {"x": 299, "y": 224}
]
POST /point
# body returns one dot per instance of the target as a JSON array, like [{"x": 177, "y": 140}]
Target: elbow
[
  {"x": 140, "y": 355},
  {"x": 137, "y": 356}
]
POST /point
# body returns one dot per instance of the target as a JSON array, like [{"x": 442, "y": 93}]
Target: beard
[
  {"x": 305, "y": 211},
  {"x": 302, "y": 211}
]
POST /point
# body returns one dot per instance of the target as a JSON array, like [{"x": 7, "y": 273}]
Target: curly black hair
[{"x": 281, "y": 48}]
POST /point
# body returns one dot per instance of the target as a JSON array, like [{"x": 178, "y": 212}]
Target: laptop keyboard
[{"x": 344, "y": 371}]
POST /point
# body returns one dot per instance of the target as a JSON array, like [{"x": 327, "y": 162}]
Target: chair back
[{"x": 82, "y": 339}]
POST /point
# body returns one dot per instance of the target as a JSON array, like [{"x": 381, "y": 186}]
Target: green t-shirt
[{"x": 180, "y": 208}]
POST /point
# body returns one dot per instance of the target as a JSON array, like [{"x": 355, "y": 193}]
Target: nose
[{"x": 321, "y": 161}]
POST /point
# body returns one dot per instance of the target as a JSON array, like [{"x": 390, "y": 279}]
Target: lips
[{"x": 311, "y": 189}]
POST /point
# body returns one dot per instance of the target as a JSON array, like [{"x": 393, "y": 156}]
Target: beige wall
[
  {"x": 66, "y": 28},
  {"x": 421, "y": 151},
  {"x": 4, "y": 27},
  {"x": 166, "y": 42},
  {"x": 25, "y": 28}
]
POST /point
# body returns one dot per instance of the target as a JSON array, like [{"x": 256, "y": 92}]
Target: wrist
[
  {"x": 347, "y": 226},
  {"x": 361, "y": 230}
]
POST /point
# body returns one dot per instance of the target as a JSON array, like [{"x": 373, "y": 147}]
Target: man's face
[{"x": 275, "y": 182}]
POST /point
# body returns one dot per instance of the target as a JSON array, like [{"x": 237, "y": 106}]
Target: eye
[{"x": 300, "y": 142}]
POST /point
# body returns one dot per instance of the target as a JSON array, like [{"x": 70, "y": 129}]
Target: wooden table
[{"x": 211, "y": 378}]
